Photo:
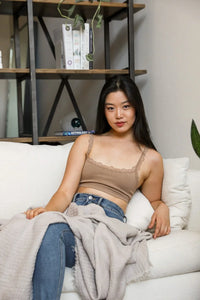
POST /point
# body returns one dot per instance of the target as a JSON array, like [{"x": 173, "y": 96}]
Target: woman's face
[{"x": 120, "y": 114}]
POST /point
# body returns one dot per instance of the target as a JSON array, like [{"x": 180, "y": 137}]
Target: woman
[{"x": 110, "y": 165}]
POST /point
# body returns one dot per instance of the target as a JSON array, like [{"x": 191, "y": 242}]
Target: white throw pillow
[
  {"x": 175, "y": 193},
  {"x": 29, "y": 175},
  {"x": 139, "y": 211}
]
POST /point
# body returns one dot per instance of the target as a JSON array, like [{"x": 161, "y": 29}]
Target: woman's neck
[{"x": 127, "y": 136}]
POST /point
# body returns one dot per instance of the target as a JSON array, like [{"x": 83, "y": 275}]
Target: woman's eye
[
  {"x": 126, "y": 106},
  {"x": 109, "y": 108}
]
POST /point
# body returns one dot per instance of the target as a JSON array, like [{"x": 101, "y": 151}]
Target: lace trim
[{"x": 123, "y": 170}]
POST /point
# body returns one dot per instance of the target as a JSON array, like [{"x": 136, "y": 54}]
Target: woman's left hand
[{"x": 161, "y": 219}]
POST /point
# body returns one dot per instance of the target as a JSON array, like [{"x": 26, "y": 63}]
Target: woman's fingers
[
  {"x": 161, "y": 230},
  {"x": 31, "y": 213}
]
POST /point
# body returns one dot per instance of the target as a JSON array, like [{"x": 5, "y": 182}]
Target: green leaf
[
  {"x": 195, "y": 138},
  {"x": 70, "y": 10},
  {"x": 67, "y": 16},
  {"x": 90, "y": 57},
  {"x": 99, "y": 18},
  {"x": 78, "y": 20}
]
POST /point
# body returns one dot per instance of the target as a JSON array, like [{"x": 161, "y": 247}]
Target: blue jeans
[{"x": 57, "y": 250}]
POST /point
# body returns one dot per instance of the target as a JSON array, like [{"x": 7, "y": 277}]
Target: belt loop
[
  {"x": 125, "y": 219},
  {"x": 74, "y": 198},
  {"x": 99, "y": 201}
]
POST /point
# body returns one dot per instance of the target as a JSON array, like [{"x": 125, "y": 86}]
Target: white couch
[{"x": 29, "y": 175}]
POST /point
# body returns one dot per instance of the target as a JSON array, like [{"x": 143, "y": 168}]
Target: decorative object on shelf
[
  {"x": 76, "y": 123},
  {"x": 67, "y": 46},
  {"x": 70, "y": 123},
  {"x": 71, "y": 126},
  {"x": 72, "y": 47},
  {"x": 195, "y": 138},
  {"x": 79, "y": 21}
]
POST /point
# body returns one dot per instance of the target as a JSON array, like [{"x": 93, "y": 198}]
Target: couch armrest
[{"x": 194, "y": 182}]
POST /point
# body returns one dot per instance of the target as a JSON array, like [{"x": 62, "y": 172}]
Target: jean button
[{"x": 90, "y": 197}]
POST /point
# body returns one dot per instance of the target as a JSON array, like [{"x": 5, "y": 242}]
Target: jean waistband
[{"x": 90, "y": 198}]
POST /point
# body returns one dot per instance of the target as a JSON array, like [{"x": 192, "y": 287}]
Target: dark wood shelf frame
[
  {"x": 48, "y": 8},
  {"x": 94, "y": 74},
  {"x": 41, "y": 139}
]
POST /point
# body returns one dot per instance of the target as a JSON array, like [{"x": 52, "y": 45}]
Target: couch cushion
[
  {"x": 175, "y": 193},
  {"x": 29, "y": 175},
  {"x": 174, "y": 254}
]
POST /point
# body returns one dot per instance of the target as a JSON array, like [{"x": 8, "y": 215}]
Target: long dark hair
[{"x": 123, "y": 83}]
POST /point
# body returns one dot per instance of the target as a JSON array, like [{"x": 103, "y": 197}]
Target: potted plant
[
  {"x": 195, "y": 138},
  {"x": 78, "y": 20}
]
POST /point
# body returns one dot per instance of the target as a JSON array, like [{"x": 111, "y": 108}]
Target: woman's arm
[
  {"x": 70, "y": 182},
  {"x": 152, "y": 189}
]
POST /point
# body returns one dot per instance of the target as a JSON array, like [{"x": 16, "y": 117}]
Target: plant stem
[
  {"x": 59, "y": 10},
  {"x": 92, "y": 25}
]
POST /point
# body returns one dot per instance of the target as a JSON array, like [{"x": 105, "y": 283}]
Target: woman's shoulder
[
  {"x": 153, "y": 164},
  {"x": 153, "y": 157},
  {"x": 83, "y": 138},
  {"x": 82, "y": 142}
]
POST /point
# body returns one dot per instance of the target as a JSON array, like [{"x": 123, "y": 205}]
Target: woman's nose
[{"x": 118, "y": 113}]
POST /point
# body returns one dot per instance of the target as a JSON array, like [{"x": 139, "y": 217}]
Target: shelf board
[
  {"x": 63, "y": 73},
  {"x": 43, "y": 139},
  {"x": 8, "y": 73},
  {"x": 48, "y": 8}
]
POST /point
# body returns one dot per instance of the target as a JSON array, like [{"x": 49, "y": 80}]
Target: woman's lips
[{"x": 120, "y": 124}]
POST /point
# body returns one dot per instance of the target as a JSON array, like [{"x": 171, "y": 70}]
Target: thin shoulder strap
[
  {"x": 90, "y": 143},
  {"x": 141, "y": 159}
]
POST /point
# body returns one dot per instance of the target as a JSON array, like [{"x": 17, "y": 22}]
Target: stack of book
[
  {"x": 72, "y": 46},
  {"x": 76, "y": 132}
]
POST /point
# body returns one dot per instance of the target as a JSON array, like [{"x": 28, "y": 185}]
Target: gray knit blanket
[{"x": 109, "y": 253}]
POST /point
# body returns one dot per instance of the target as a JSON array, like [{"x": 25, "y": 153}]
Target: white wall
[{"x": 168, "y": 45}]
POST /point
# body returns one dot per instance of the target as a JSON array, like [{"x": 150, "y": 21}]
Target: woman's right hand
[{"x": 33, "y": 212}]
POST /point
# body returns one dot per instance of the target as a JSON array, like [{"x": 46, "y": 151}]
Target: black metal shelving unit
[{"x": 48, "y": 8}]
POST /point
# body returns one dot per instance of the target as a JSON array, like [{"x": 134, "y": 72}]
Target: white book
[
  {"x": 68, "y": 45},
  {"x": 76, "y": 48},
  {"x": 59, "y": 50},
  {"x": 85, "y": 34}
]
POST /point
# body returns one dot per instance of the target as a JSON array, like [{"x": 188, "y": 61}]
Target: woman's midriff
[{"x": 121, "y": 203}]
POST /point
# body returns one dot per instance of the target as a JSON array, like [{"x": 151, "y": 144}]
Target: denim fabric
[
  {"x": 111, "y": 209},
  {"x": 57, "y": 250}
]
